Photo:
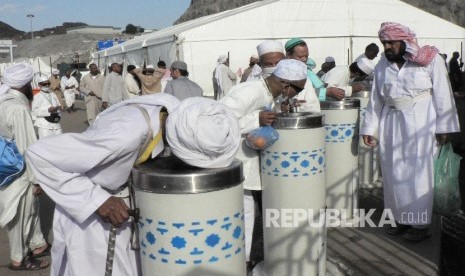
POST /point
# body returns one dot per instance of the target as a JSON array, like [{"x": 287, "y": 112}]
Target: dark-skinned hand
[
  {"x": 114, "y": 210},
  {"x": 266, "y": 118}
]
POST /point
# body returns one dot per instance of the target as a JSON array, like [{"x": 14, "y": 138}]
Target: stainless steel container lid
[
  {"x": 169, "y": 175},
  {"x": 346, "y": 103},
  {"x": 298, "y": 120},
  {"x": 361, "y": 94}
]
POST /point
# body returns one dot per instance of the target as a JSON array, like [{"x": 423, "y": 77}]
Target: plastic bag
[
  {"x": 11, "y": 161},
  {"x": 262, "y": 138},
  {"x": 446, "y": 182}
]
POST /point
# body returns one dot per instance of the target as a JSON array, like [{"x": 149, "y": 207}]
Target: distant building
[{"x": 94, "y": 30}]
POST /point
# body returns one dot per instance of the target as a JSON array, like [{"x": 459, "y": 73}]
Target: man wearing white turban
[
  {"x": 85, "y": 186},
  {"x": 223, "y": 78},
  {"x": 249, "y": 102},
  {"x": 18, "y": 208}
]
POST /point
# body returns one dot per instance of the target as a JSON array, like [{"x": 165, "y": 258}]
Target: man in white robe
[
  {"x": 84, "y": 186},
  {"x": 70, "y": 87},
  {"x": 223, "y": 78},
  {"x": 249, "y": 101},
  {"x": 18, "y": 201},
  {"x": 46, "y": 109},
  {"x": 92, "y": 87},
  {"x": 114, "y": 90},
  {"x": 130, "y": 82},
  {"x": 411, "y": 102},
  {"x": 341, "y": 76}
]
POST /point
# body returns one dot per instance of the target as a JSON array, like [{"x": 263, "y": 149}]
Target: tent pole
[{"x": 50, "y": 61}]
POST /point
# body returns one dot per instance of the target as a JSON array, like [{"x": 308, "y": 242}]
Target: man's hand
[
  {"x": 104, "y": 105},
  {"x": 336, "y": 93},
  {"x": 369, "y": 141},
  {"x": 441, "y": 139},
  {"x": 358, "y": 87},
  {"x": 36, "y": 190},
  {"x": 114, "y": 210},
  {"x": 266, "y": 118}
]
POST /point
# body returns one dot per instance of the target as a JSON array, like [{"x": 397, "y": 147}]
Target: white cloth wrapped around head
[
  {"x": 17, "y": 75},
  {"x": 203, "y": 133}
]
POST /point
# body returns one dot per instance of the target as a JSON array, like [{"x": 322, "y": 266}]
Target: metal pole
[{"x": 31, "y": 16}]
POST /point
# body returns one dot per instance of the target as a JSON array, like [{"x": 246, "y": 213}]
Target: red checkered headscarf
[{"x": 394, "y": 31}]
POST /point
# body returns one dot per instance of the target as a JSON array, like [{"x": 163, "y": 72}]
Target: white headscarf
[
  {"x": 17, "y": 75},
  {"x": 218, "y": 72},
  {"x": 203, "y": 133}
]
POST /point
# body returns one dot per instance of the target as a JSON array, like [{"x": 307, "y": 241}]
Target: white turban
[
  {"x": 17, "y": 75},
  {"x": 291, "y": 70},
  {"x": 203, "y": 133},
  {"x": 366, "y": 65},
  {"x": 55, "y": 71},
  {"x": 222, "y": 59},
  {"x": 150, "y": 66},
  {"x": 269, "y": 46}
]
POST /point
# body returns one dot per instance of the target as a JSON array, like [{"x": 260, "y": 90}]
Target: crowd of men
[{"x": 411, "y": 111}]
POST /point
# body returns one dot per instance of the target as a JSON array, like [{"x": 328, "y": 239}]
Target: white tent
[{"x": 338, "y": 28}]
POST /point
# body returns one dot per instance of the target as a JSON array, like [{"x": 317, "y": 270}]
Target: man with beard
[
  {"x": 92, "y": 87},
  {"x": 19, "y": 212},
  {"x": 410, "y": 104}
]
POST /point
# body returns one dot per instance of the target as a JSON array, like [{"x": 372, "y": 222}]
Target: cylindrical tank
[
  {"x": 192, "y": 219},
  {"x": 341, "y": 125},
  {"x": 293, "y": 197},
  {"x": 367, "y": 157}
]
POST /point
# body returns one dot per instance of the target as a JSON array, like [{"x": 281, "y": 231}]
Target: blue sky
[{"x": 149, "y": 14}]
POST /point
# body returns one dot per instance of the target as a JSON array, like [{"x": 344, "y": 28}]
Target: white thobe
[
  {"x": 246, "y": 100},
  {"x": 17, "y": 209},
  {"x": 131, "y": 85},
  {"x": 114, "y": 90},
  {"x": 339, "y": 77},
  {"x": 225, "y": 81},
  {"x": 311, "y": 104},
  {"x": 40, "y": 105},
  {"x": 90, "y": 83},
  {"x": 70, "y": 94},
  {"x": 102, "y": 158},
  {"x": 407, "y": 136}
]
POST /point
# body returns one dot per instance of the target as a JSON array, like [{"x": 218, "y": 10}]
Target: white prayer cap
[
  {"x": 17, "y": 75},
  {"x": 291, "y": 70},
  {"x": 330, "y": 59},
  {"x": 55, "y": 71},
  {"x": 222, "y": 59},
  {"x": 255, "y": 56},
  {"x": 203, "y": 133},
  {"x": 88, "y": 66},
  {"x": 40, "y": 78},
  {"x": 150, "y": 66},
  {"x": 366, "y": 65},
  {"x": 269, "y": 46}
]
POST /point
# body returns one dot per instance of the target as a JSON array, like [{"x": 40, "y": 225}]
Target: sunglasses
[
  {"x": 45, "y": 84},
  {"x": 297, "y": 89}
]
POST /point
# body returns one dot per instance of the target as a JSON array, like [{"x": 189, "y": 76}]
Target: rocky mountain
[
  {"x": 452, "y": 10},
  {"x": 7, "y": 32}
]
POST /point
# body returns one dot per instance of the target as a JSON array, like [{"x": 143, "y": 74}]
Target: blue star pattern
[
  {"x": 194, "y": 242},
  {"x": 293, "y": 164},
  {"x": 339, "y": 133}
]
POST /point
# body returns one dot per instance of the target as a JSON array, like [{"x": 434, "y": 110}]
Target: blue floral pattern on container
[
  {"x": 339, "y": 133},
  {"x": 198, "y": 242},
  {"x": 293, "y": 164}
]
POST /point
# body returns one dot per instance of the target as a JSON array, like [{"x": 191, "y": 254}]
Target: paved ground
[{"x": 351, "y": 251}]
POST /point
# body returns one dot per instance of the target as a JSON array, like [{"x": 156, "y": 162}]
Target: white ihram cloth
[
  {"x": 203, "y": 133},
  {"x": 103, "y": 157},
  {"x": 339, "y": 77},
  {"x": 17, "y": 75},
  {"x": 223, "y": 80},
  {"x": 407, "y": 137},
  {"x": 70, "y": 94}
]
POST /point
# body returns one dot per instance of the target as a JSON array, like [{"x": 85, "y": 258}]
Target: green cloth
[
  {"x": 292, "y": 42},
  {"x": 319, "y": 86}
]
